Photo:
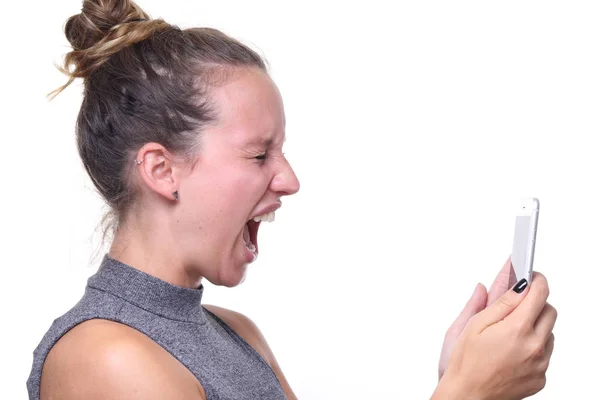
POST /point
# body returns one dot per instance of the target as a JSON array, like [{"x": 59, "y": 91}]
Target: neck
[{"x": 151, "y": 250}]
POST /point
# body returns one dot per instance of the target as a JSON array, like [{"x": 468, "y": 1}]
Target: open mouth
[{"x": 250, "y": 235}]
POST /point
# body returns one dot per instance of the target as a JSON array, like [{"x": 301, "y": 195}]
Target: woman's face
[{"x": 241, "y": 173}]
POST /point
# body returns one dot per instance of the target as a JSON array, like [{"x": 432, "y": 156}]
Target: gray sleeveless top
[{"x": 172, "y": 316}]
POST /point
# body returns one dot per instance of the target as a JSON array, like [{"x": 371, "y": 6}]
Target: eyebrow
[{"x": 267, "y": 142}]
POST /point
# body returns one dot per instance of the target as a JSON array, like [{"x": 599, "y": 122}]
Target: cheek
[
  {"x": 247, "y": 188},
  {"x": 232, "y": 198},
  {"x": 222, "y": 198}
]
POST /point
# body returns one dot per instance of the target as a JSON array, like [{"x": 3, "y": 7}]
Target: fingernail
[{"x": 520, "y": 286}]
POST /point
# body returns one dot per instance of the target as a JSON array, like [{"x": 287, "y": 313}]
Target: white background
[{"x": 414, "y": 127}]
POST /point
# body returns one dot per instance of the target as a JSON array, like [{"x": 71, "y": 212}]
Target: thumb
[{"x": 502, "y": 307}]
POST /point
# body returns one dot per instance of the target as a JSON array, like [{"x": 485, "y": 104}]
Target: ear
[{"x": 159, "y": 170}]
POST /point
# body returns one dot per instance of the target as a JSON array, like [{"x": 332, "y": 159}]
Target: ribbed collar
[{"x": 148, "y": 292}]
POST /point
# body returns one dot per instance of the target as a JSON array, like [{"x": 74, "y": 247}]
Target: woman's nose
[{"x": 285, "y": 181}]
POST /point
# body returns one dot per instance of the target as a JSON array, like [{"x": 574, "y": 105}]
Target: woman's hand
[
  {"x": 504, "y": 350},
  {"x": 478, "y": 301}
]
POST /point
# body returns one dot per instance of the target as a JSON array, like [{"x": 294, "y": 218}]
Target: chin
[{"x": 231, "y": 277}]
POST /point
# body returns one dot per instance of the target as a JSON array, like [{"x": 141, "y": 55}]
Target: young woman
[{"x": 181, "y": 132}]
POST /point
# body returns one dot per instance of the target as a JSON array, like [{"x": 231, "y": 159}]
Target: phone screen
[{"x": 520, "y": 267}]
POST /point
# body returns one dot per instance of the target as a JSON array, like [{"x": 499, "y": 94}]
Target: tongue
[{"x": 247, "y": 235}]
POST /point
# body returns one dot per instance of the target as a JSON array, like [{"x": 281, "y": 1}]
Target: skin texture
[
  {"x": 504, "y": 351},
  {"x": 480, "y": 300},
  {"x": 199, "y": 236},
  {"x": 240, "y": 169},
  {"x": 100, "y": 359}
]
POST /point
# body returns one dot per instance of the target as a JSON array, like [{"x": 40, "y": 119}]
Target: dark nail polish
[{"x": 520, "y": 286}]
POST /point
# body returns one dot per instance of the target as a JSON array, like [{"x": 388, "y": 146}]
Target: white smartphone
[{"x": 526, "y": 221}]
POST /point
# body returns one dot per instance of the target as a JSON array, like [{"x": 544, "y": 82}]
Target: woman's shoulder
[
  {"x": 249, "y": 331},
  {"x": 244, "y": 327},
  {"x": 100, "y": 359}
]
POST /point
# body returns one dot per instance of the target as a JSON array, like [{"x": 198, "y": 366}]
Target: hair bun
[
  {"x": 102, "y": 29},
  {"x": 97, "y": 18}
]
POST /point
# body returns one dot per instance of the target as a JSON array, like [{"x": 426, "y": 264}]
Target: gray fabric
[{"x": 172, "y": 316}]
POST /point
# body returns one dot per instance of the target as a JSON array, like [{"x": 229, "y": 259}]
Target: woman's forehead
[{"x": 250, "y": 106}]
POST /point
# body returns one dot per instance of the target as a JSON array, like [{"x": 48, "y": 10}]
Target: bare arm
[{"x": 101, "y": 359}]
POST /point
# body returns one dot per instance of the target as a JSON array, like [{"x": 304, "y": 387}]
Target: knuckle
[
  {"x": 550, "y": 346},
  {"x": 553, "y": 312},
  {"x": 545, "y": 364},
  {"x": 537, "y": 347},
  {"x": 520, "y": 328},
  {"x": 538, "y": 276},
  {"x": 545, "y": 291},
  {"x": 536, "y": 384},
  {"x": 541, "y": 382},
  {"x": 505, "y": 302},
  {"x": 541, "y": 285}
]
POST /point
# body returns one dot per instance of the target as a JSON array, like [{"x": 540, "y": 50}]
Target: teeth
[{"x": 268, "y": 217}]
